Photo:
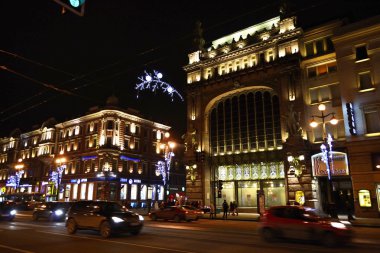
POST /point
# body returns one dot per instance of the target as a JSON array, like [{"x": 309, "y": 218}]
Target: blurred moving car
[
  {"x": 25, "y": 200},
  {"x": 53, "y": 211},
  {"x": 107, "y": 217},
  {"x": 176, "y": 213},
  {"x": 7, "y": 210},
  {"x": 302, "y": 223},
  {"x": 198, "y": 211}
]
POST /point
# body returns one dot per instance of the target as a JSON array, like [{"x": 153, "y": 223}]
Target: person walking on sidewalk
[
  {"x": 212, "y": 211},
  {"x": 225, "y": 209},
  {"x": 235, "y": 209}
]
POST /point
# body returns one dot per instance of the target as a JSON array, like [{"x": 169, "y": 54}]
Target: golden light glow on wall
[{"x": 133, "y": 128}]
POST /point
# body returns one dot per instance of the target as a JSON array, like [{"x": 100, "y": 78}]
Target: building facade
[
  {"x": 108, "y": 154},
  {"x": 250, "y": 98}
]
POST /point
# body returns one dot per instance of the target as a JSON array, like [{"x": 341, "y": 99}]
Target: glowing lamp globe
[
  {"x": 76, "y": 3},
  {"x": 159, "y": 75}
]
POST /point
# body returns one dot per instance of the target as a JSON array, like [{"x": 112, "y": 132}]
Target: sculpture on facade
[{"x": 293, "y": 122}]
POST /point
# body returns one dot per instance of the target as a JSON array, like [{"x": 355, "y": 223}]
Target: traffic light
[
  {"x": 219, "y": 193},
  {"x": 220, "y": 185},
  {"x": 75, "y": 6},
  {"x": 351, "y": 118}
]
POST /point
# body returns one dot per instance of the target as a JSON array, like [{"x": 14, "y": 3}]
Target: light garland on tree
[
  {"x": 154, "y": 82},
  {"x": 56, "y": 176},
  {"x": 327, "y": 155},
  {"x": 163, "y": 168}
]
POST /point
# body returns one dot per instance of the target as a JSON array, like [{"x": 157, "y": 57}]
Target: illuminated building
[
  {"x": 251, "y": 96},
  {"x": 108, "y": 153}
]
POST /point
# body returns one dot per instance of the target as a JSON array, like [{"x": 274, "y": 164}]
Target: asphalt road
[{"x": 27, "y": 236}]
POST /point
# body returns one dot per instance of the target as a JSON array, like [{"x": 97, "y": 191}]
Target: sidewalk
[{"x": 358, "y": 222}]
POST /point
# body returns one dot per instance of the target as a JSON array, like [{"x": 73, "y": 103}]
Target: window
[
  {"x": 361, "y": 53},
  {"x": 110, "y": 124},
  {"x": 324, "y": 93},
  {"x": 309, "y": 48},
  {"x": 372, "y": 119},
  {"x": 318, "y": 47},
  {"x": 321, "y": 70},
  {"x": 365, "y": 81},
  {"x": 376, "y": 162},
  {"x": 246, "y": 122}
]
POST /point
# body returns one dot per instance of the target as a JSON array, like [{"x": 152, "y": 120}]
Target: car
[
  {"x": 176, "y": 213},
  {"x": 107, "y": 217},
  {"x": 199, "y": 212},
  {"x": 53, "y": 211},
  {"x": 302, "y": 223},
  {"x": 7, "y": 210}
]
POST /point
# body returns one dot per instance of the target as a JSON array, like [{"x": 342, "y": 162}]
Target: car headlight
[
  {"x": 117, "y": 219},
  {"x": 338, "y": 225},
  {"x": 141, "y": 218},
  {"x": 13, "y": 212},
  {"x": 58, "y": 212}
]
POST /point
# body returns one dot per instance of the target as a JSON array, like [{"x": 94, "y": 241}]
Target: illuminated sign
[
  {"x": 78, "y": 181},
  {"x": 339, "y": 165}
]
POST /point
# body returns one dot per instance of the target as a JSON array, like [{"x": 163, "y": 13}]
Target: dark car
[
  {"x": 53, "y": 211},
  {"x": 108, "y": 217},
  {"x": 302, "y": 223},
  {"x": 7, "y": 210},
  {"x": 176, "y": 213}
]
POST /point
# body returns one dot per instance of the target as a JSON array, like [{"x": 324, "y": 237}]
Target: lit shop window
[
  {"x": 75, "y": 191},
  {"x": 83, "y": 191},
  {"x": 143, "y": 192},
  {"x": 134, "y": 192},
  {"x": 161, "y": 192},
  {"x": 123, "y": 191},
  {"x": 378, "y": 196},
  {"x": 90, "y": 192},
  {"x": 364, "y": 198}
]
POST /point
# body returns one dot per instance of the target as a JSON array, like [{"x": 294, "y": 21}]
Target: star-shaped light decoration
[{"x": 153, "y": 81}]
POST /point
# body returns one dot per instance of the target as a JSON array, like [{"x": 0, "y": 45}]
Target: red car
[
  {"x": 302, "y": 223},
  {"x": 176, "y": 213}
]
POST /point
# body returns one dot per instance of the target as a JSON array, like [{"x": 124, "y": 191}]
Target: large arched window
[{"x": 246, "y": 122}]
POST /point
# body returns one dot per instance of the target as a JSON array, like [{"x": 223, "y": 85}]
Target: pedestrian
[
  {"x": 235, "y": 209},
  {"x": 225, "y": 209},
  {"x": 231, "y": 208},
  {"x": 212, "y": 211},
  {"x": 349, "y": 210}
]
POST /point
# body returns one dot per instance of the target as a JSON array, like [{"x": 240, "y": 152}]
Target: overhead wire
[{"x": 108, "y": 66}]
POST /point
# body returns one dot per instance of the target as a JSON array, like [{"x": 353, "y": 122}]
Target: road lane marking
[
  {"x": 15, "y": 249},
  {"x": 175, "y": 227},
  {"x": 117, "y": 242}
]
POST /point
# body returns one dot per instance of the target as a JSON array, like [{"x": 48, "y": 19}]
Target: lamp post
[
  {"x": 163, "y": 167},
  {"x": 19, "y": 167},
  {"x": 57, "y": 175},
  {"x": 326, "y": 148}
]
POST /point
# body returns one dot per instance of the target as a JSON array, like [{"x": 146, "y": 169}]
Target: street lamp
[
  {"x": 19, "y": 167},
  {"x": 57, "y": 175},
  {"x": 326, "y": 147},
  {"x": 163, "y": 167}
]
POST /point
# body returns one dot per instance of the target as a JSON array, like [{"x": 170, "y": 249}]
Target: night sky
[{"x": 60, "y": 65}]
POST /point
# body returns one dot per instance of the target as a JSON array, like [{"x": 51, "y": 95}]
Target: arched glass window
[{"x": 246, "y": 122}]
